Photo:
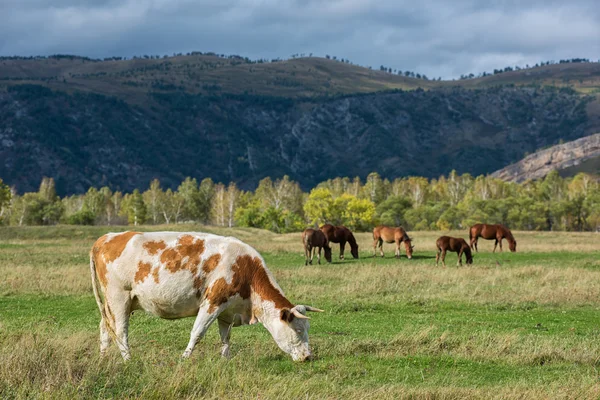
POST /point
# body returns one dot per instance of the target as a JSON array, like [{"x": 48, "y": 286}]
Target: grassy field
[{"x": 512, "y": 325}]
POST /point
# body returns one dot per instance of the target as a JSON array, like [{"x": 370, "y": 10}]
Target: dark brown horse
[
  {"x": 489, "y": 232},
  {"x": 386, "y": 234},
  {"x": 341, "y": 235},
  {"x": 313, "y": 239},
  {"x": 459, "y": 245}
]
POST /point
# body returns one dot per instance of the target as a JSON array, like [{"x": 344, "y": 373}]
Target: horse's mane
[
  {"x": 507, "y": 233},
  {"x": 351, "y": 239},
  {"x": 405, "y": 236}
]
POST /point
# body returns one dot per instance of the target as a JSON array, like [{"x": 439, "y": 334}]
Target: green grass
[{"x": 512, "y": 325}]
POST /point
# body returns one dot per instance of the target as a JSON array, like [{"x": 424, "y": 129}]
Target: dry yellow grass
[{"x": 511, "y": 326}]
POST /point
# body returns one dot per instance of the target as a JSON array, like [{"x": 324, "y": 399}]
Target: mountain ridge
[
  {"x": 564, "y": 157},
  {"x": 123, "y": 123}
]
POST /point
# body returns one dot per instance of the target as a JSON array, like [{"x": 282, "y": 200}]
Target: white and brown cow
[{"x": 176, "y": 275}]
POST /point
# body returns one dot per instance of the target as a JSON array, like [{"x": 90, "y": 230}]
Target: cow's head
[{"x": 290, "y": 332}]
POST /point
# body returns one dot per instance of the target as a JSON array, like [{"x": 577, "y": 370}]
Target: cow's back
[{"x": 167, "y": 273}]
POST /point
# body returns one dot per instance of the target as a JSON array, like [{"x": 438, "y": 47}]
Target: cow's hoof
[{"x": 186, "y": 354}]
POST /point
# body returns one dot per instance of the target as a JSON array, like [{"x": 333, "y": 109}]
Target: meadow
[{"x": 512, "y": 325}]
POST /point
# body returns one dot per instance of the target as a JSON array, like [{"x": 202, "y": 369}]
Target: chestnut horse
[
  {"x": 459, "y": 245},
  {"x": 386, "y": 234},
  {"x": 490, "y": 232},
  {"x": 313, "y": 239},
  {"x": 341, "y": 235}
]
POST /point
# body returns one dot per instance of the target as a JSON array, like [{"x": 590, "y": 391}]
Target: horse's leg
[
  {"x": 312, "y": 254},
  {"x": 472, "y": 243},
  {"x": 306, "y": 255},
  {"x": 319, "y": 259},
  {"x": 495, "y": 244},
  {"x": 460, "y": 253},
  {"x": 397, "y": 252},
  {"x": 375, "y": 243},
  {"x": 381, "y": 247},
  {"x": 437, "y": 256},
  {"x": 342, "y": 247},
  {"x": 444, "y": 258},
  {"x": 500, "y": 241}
]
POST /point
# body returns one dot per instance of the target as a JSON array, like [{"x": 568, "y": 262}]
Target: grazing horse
[
  {"x": 459, "y": 245},
  {"x": 313, "y": 239},
  {"x": 341, "y": 235},
  {"x": 398, "y": 235},
  {"x": 490, "y": 232}
]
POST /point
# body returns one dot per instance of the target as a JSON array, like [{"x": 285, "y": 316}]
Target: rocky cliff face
[
  {"x": 560, "y": 157},
  {"x": 83, "y": 139}
]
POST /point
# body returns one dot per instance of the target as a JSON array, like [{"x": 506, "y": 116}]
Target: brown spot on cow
[
  {"x": 211, "y": 263},
  {"x": 115, "y": 246},
  {"x": 99, "y": 261},
  {"x": 198, "y": 283},
  {"x": 143, "y": 271},
  {"x": 248, "y": 274},
  {"x": 153, "y": 247},
  {"x": 185, "y": 255},
  {"x": 155, "y": 275},
  {"x": 107, "y": 250}
]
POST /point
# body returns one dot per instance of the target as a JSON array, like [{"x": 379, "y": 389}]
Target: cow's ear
[{"x": 286, "y": 315}]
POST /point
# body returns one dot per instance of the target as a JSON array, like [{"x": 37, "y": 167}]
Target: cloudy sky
[{"x": 435, "y": 37}]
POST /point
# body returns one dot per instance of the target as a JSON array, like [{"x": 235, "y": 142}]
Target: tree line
[{"x": 449, "y": 202}]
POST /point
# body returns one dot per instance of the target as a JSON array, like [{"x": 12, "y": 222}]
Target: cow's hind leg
[
  {"x": 203, "y": 321},
  {"x": 225, "y": 333},
  {"x": 104, "y": 337},
  {"x": 118, "y": 308}
]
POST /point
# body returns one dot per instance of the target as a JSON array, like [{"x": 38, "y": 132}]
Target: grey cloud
[{"x": 434, "y": 37}]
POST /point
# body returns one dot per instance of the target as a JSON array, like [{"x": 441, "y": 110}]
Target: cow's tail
[{"x": 95, "y": 287}]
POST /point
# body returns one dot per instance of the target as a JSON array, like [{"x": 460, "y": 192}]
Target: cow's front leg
[
  {"x": 225, "y": 332},
  {"x": 203, "y": 321}
]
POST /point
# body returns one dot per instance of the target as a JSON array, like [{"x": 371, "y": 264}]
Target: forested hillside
[
  {"x": 122, "y": 123},
  {"x": 452, "y": 202}
]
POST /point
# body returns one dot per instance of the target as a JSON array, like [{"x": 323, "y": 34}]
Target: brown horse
[
  {"x": 313, "y": 239},
  {"x": 490, "y": 232},
  {"x": 459, "y": 245},
  {"x": 386, "y": 234},
  {"x": 341, "y": 235}
]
